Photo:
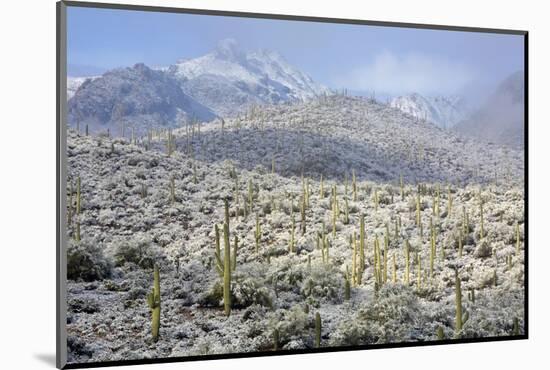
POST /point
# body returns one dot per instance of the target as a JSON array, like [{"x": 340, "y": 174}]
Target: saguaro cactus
[
  {"x": 361, "y": 246},
  {"x": 347, "y": 285},
  {"x": 276, "y": 340},
  {"x": 226, "y": 271},
  {"x": 234, "y": 256},
  {"x": 481, "y": 231},
  {"x": 153, "y": 299},
  {"x": 516, "y": 326},
  {"x": 449, "y": 200},
  {"x": 317, "y": 330},
  {"x": 78, "y": 204},
  {"x": 258, "y": 234},
  {"x": 418, "y": 210},
  {"x": 394, "y": 270},
  {"x": 401, "y": 187},
  {"x": 250, "y": 195},
  {"x": 432, "y": 249},
  {"x": 346, "y": 212},
  {"x": 172, "y": 190},
  {"x": 517, "y": 239},
  {"x": 418, "y": 271},
  {"x": 77, "y": 231},
  {"x": 386, "y": 246},
  {"x": 440, "y": 333},
  {"x": 334, "y": 213},
  {"x": 70, "y": 205},
  {"x": 407, "y": 262},
  {"x": 303, "y": 215},
  {"x": 460, "y": 318},
  {"x": 460, "y": 241},
  {"x": 354, "y": 186},
  {"x": 292, "y": 228}
]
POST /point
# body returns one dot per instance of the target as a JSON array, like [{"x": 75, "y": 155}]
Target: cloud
[{"x": 395, "y": 74}]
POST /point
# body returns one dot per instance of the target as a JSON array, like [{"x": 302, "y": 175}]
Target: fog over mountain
[{"x": 501, "y": 118}]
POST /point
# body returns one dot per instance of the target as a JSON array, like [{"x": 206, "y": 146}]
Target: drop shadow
[{"x": 46, "y": 358}]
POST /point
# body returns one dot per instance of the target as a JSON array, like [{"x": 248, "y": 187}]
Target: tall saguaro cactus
[
  {"x": 317, "y": 330},
  {"x": 153, "y": 299},
  {"x": 517, "y": 239},
  {"x": 418, "y": 210},
  {"x": 481, "y": 231},
  {"x": 224, "y": 267},
  {"x": 226, "y": 271},
  {"x": 354, "y": 186},
  {"x": 361, "y": 246},
  {"x": 432, "y": 248},
  {"x": 258, "y": 234},
  {"x": 460, "y": 318},
  {"x": 401, "y": 187},
  {"x": 78, "y": 195},
  {"x": 407, "y": 262}
]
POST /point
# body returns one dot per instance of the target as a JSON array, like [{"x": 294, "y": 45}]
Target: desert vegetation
[{"x": 335, "y": 222}]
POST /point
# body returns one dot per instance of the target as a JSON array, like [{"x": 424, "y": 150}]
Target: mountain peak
[
  {"x": 229, "y": 49},
  {"x": 443, "y": 111},
  {"x": 228, "y": 79}
]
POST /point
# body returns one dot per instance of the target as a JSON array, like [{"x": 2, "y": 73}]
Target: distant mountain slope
[
  {"x": 73, "y": 83},
  {"x": 444, "y": 112},
  {"x": 137, "y": 97},
  {"x": 332, "y": 136},
  {"x": 501, "y": 119},
  {"x": 229, "y": 80}
]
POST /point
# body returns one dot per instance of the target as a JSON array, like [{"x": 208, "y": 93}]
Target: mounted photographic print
[{"x": 237, "y": 184}]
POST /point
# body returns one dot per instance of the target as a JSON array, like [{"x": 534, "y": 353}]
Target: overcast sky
[{"x": 388, "y": 60}]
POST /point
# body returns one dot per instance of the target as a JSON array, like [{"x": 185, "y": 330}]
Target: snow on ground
[{"x": 129, "y": 221}]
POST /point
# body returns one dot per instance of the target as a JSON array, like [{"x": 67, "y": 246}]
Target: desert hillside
[{"x": 347, "y": 222}]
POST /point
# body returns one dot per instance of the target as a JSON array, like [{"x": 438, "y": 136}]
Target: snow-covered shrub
[
  {"x": 483, "y": 249},
  {"x": 292, "y": 324},
  {"x": 86, "y": 261},
  {"x": 483, "y": 320},
  {"x": 85, "y": 305},
  {"x": 213, "y": 296},
  {"x": 244, "y": 292},
  {"x": 248, "y": 291},
  {"x": 285, "y": 274},
  {"x": 323, "y": 284},
  {"x": 139, "y": 250},
  {"x": 390, "y": 318}
]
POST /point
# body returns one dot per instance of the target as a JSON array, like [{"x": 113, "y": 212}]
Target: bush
[
  {"x": 83, "y": 305},
  {"x": 389, "y": 319},
  {"x": 324, "y": 284},
  {"x": 86, "y": 261},
  {"x": 293, "y": 324},
  {"x": 244, "y": 293},
  {"x": 140, "y": 250},
  {"x": 249, "y": 291}
]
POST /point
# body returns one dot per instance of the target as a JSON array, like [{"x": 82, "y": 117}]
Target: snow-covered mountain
[
  {"x": 501, "y": 118},
  {"x": 73, "y": 83},
  {"x": 137, "y": 98},
  {"x": 228, "y": 79},
  {"x": 223, "y": 82},
  {"x": 442, "y": 111}
]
